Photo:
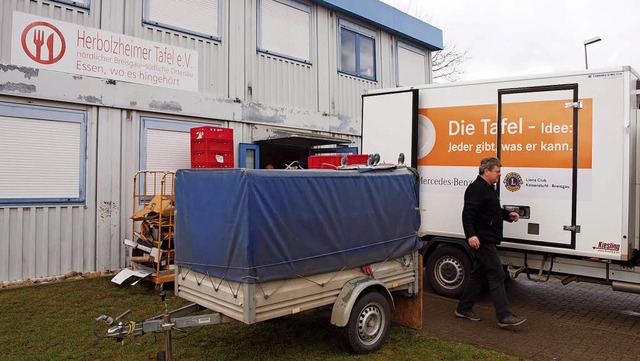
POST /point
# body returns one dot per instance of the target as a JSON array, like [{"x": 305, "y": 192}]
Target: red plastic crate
[
  {"x": 323, "y": 161},
  {"x": 357, "y": 159},
  {"x": 213, "y": 145},
  {"x": 201, "y": 133},
  {"x": 208, "y": 156},
  {"x": 330, "y": 161}
]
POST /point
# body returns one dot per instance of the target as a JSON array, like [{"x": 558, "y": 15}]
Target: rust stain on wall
[
  {"x": 26, "y": 71},
  {"x": 17, "y": 87},
  {"x": 169, "y": 105},
  {"x": 90, "y": 99},
  {"x": 107, "y": 209}
]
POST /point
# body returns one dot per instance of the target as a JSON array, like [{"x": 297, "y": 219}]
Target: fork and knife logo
[{"x": 43, "y": 42}]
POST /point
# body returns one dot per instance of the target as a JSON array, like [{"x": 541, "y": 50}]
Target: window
[
  {"x": 411, "y": 67},
  {"x": 166, "y": 144},
  {"x": 285, "y": 29},
  {"x": 43, "y": 154},
  {"x": 249, "y": 156},
  {"x": 79, "y": 3},
  {"x": 357, "y": 50},
  {"x": 198, "y": 17}
]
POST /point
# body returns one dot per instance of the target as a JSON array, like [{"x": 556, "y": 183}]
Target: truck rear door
[
  {"x": 538, "y": 138},
  {"x": 390, "y": 125}
]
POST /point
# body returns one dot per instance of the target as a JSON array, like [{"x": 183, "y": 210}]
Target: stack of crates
[{"x": 211, "y": 147}]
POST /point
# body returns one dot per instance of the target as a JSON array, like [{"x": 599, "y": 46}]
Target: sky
[{"x": 507, "y": 38}]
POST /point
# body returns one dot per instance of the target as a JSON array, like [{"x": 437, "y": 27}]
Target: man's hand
[
  {"x": 514, "y": 216},
  {"x": 474, "y": 242}
]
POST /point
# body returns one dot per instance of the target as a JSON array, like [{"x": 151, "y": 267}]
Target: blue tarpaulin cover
[{"x": 263, "y": 225}]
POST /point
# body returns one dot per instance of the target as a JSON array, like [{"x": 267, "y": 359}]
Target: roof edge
[{"x": 389, "y": 19}]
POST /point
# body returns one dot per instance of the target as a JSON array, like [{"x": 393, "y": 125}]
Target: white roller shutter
[
  {"x": 41, "y": 160},
  {"x": 168, "y": 149},
  {"x": 166, "y": 145},
  {"x": 198, "y": 16},
  {"x": 412, "y": 65},
  {"x": 285, "y": 29}
]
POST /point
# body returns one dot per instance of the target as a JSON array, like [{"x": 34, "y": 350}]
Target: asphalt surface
[{"x": 579, "y": 321}]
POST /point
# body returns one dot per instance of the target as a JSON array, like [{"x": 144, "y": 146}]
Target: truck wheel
[
  {"x": 448, "y": 270},
  {"x": 369, "y": 323}
]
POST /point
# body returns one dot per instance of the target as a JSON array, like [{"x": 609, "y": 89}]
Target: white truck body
[{"x": 568, "y": 145}]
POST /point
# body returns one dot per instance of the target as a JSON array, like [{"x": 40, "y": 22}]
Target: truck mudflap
[{"x": 349, "y": 295}]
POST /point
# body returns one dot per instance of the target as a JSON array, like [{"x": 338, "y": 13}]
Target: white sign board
[{"x": 60, "y": 46}]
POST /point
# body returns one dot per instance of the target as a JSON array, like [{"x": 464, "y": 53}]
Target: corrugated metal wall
[
  {"x": 109, "y": 193},
  {"x": 45, "y": 9},
  {"x": 238, "y": 86},
  {"x": 347, "y": 98},
  {"x": 283, "y": 83},
  {"x": 48, "y": 240},
  {"x": 212, "y": 56},
  {"x": 39, "y": 242}
]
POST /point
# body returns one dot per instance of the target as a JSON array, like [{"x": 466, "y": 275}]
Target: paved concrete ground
[{"x": 579, "y": 321}]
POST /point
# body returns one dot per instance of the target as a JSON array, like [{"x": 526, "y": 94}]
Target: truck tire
[
  {"x": 369, "y": 323},
  {"x": 447, "y": 270}
]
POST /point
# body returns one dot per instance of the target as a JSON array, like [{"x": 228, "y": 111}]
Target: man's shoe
[
  {"x": 468, "y": 315},
  {"x": 511, "y": 321}
]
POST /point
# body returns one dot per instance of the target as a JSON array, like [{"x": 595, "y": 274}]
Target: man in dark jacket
[{"x": 482, "y": 219}]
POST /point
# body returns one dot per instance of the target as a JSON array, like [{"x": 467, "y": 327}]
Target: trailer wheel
[
  {"x": 448, "y": 270},
  {"x": 369, "y": 323}
]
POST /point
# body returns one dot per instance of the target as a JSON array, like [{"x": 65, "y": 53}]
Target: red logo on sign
[{"x": 43, "y": 42}]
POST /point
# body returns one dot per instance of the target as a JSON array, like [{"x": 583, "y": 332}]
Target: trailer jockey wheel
[{"x": 369, "y": 323}]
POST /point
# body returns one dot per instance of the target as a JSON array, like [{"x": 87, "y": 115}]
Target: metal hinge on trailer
[
  {"x": 574, "y": 228},
  {"x": 573, "y": 105}
]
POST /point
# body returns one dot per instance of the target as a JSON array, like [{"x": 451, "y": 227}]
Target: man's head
[{"x": 490, "y": 169}]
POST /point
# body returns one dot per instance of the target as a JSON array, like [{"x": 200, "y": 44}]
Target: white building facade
[{"x": 92, "y": 91}]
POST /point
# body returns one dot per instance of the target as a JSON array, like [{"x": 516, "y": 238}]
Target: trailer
[
  {"x": 255, "y": 245},
  {"x": 568, "y": 144}
]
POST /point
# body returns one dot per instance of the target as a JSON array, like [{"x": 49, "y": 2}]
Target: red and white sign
[{"x": 70, "y": 48}]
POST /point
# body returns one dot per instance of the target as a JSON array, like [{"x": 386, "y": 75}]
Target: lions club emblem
[{"x": 512, "y": 181}]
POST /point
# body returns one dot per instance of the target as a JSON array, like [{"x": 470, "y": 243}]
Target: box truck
[{"x": 568, "y": 144}]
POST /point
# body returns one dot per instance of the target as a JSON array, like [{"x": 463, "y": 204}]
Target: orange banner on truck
[{"x": 533, "y": 134}]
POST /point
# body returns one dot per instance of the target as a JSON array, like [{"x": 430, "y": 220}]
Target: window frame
[
  {"x": 242, "y": 156},
  {"x": 417, "y": 50},
  {"x": 162, "y": 124},
  {"x": 147, "y": 21},
  {"x": 83, "y": 4},
  {"x": 47, "y": 113},
  {"x": 166, "y": 124},
  {"x": 259, "y": 30},
  {"x": 359, "y": 31}
]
